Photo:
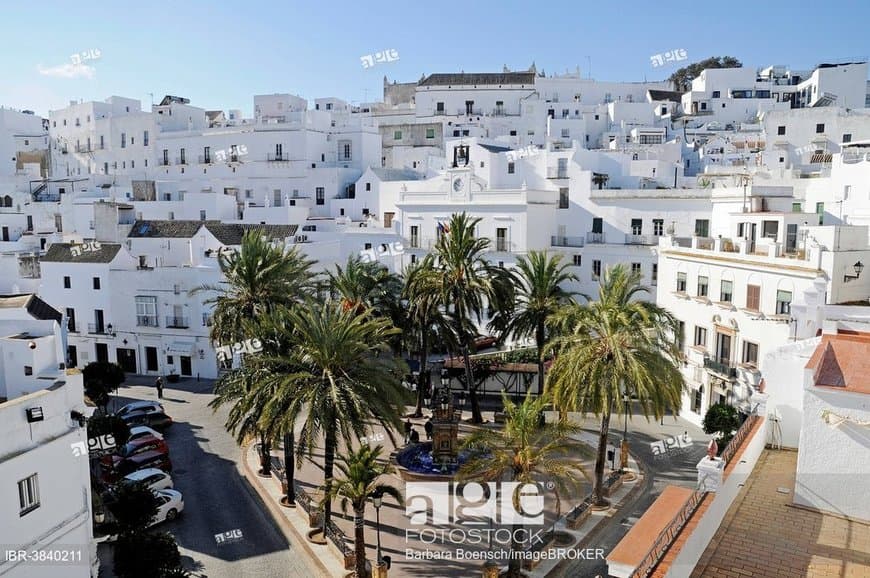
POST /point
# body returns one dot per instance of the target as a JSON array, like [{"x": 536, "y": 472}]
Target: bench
[
  {"x": 612, "y": 483},
  {"x": 578, "y": 515}
]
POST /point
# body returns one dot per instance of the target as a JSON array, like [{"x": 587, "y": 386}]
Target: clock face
[{"x": 457, "y": 185}]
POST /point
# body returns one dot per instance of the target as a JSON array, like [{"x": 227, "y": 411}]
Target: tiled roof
[
  {"x": 478, "y": 78},
  {"x": 38, "y": 308},
  {"x": 842, "y": 361},
  {"x": 231, "y": 234},
  {"x": 60, "y": 253},
  {"x": 398, "y": 175},
  {"x": 182, "y": 229},
  {"x": 495, "y": 148}
]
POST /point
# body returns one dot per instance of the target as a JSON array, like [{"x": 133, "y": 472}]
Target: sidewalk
[{"x": 414, "y": 550}]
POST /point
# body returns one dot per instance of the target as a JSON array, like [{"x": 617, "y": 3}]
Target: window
[
  {"x": 577, "y": 260},
  {"x": 165, "y": 157},
  {"x": 700, "y": 336},
  {"x": 439, "y": 106},
  {"x": 28, "y": 370},
  {"x": 637, "y": 226},
  {"x": 565, "y": 133},
  {"x": 820, "y": 128},
  {"x": 726, "y": 291},
  {"x": 96, "y": 282},
  {"x": 681, "y": 282},
  {"x": 397, "y": 135},
  {"x": 430, "y": 133},
  {"x": 28, "y": 494},
  {"x": 820, "y": 211},
  {"x": 716, "y": 94},
  {"x": 753, "y": 297},
  {"x": 145, "y": 138},
  {"x": 703, "y": 284},
  {"x": 635, "y": 269},
  {"x": 202, "y": 215},
  {"x": 183, "y": 158},
  {"x": 146, "y": 311},
  {"x": 780, "y": 130},
  {"x": 783, "y": 302},
  {"x": 596, "y": 269},
  {"x": 658, "y": 227},
  {"x": 206, "y": 155},
  {"x": 847, "y": 137},
  {"x": 702, "y": 227},
  {"x": 597, "y": 225},
  {"x": 681, "y": 334},
  {"x": 123, "y": 140},
  {"x": 750, "y": 353},
  {"x": 368, "y": 186},
  {"x": 511, "y": 168},
  {"x": 66, "y": 282},
  {"x": 796, "y": 208},
  {"x": 320, "y": 193},
  {"x": 563, "y": 197}
]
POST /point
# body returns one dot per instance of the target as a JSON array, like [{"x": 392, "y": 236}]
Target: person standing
[
  {"x": 408, "y": 428},
  {"x": 159, "y": 385},
  {"x": 428, "y": 427}
]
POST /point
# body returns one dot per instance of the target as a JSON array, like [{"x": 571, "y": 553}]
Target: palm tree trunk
[
  {"x": 424, "y": 375},
  {"x": 328, "y": 463},
  {"x": 539, "y": 339},
  {"x": 602, "y": 458},
  {"x": 359, "y": 540},
  {"x": 476, "y": 416},
  {"x": 265, "y": 457},
  {"x": 290, "y": 466},
  {"x": 515, "y": 565}
]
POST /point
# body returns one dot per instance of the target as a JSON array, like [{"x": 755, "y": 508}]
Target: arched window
[{"x": 7, "y": 201}]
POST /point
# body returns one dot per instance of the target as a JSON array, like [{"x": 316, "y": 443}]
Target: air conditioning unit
[{"x": 300, "y": 238}]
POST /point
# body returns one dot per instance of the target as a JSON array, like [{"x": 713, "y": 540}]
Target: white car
[
  {"x": 140, "y": 431},
  {"x": 153, "y": 479},
  {"x": 170, "y": 505},
  {"x": 139, "y": 406}
]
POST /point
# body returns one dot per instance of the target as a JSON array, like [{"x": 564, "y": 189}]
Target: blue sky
[{"x": 219, "y": 55}]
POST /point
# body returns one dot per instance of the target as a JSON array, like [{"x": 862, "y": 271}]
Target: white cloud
[{"x": 68, "y": 71}]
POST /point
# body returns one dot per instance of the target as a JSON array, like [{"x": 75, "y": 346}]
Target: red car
[
  {"x": 149, "y": 459},
  {"x": 144, "y": 445}
]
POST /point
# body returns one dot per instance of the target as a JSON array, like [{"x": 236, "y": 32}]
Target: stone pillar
[
  {"x": 490, "y": 569},
  {"x": 380, "y": 570},
  {"x": 710, "y": 471}
]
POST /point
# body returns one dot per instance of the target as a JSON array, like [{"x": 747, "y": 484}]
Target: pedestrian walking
[
  {"x": 428, "y": 427},
  {"x": 415, "y": 437},
  {"x": 408, "y": 428},
  {"x": 159, "y": 385}
]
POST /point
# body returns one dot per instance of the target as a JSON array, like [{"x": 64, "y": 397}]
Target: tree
[
  {"x": 614, "y": 346},
  {"x": 360, "y": 473},
  {"x": 721, "y": 419},
  {"x": 464, "y": 281},
  {"x": 259, "y": 278},
  {"x": 102, "y": 378},
  {"x": 682, "y": 78},
  {"x": 539, "y": 295},
  {"x": 148, "y": 555},
  {"x": 524, "y": 451},
  {"x": 340, "y": 375},
  {"x": 99, "y": 425},
  {"x": 600, "y": 179},
  {"x": 425, "y": 323},
  {"x": 133, "y": 508}
]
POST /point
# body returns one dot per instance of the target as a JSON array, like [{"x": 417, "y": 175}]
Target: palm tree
[
  {"x": 614, "y": 346},
  {"x": 260, "y": 278},
  {"x": 539, "y": 295},
  {"x": 425, "y": 321},
  {"x": 340, "y": 376},
  {"x": 463, "y": 281},
  {"x": 525, "y": 450},
  {"x": 360, "y": 472},
  {"x": 362, "y": 285}
]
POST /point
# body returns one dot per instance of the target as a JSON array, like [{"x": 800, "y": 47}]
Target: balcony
[
  {"x": 180, "y": 160},
  {"x": 97, "y": 328},
  {"x": 500, "y": 245},
  {"x": 177, "y": 322},
  {"x": 163, "y": 162},
  {"x": 558, "y": 241},
  {"x": 632, "y": 239},
  {"x": 277, "y": 157},
  {"x": 147, "y": 321},
  {"x": 469, "y": 112},
  {"x": 204, "y": 159},
  {"x": 86, "y": 148},
  {"x": 595, "y": 238},
  {"x": 721, "y": 366},
  {"x": 557, "y": 173},
  {"x": 414, "y": 242}
]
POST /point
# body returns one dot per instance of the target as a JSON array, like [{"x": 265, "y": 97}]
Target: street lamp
[
  {"x": 859, "y": 266},
  {"x": 623, "y": 458},
  {"x": 377, "y": 500},
  {"x": 445, "y": 403}
]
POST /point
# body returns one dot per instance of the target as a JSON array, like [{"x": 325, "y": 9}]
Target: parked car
[
  {"x": 153, "y": 479},
  {"x": 149, "y": 459},
  {"x": 171, "y": 504},
  {"x": 139, "y": 431},
  {"x": 130, "y": 449},
  {"x": 139, "y": 406},
  {"x": 153, "y": 419}
]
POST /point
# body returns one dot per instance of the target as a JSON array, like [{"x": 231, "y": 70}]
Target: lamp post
[
  {"x": 377, "y": 501},
  {"x": 623, "y": 457}
]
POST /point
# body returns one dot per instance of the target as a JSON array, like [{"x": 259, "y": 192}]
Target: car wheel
[{"x": 171, "y": 514}]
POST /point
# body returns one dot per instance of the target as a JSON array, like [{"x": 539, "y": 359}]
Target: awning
[{"x": 180, "y": 348}]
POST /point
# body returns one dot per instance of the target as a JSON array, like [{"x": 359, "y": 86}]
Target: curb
[{"x": 277, "y": 513}]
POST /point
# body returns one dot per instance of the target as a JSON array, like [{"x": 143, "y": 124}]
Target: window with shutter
[{"x": 753, "y": 297}]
